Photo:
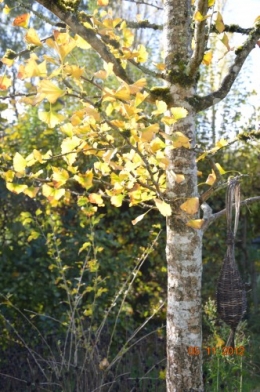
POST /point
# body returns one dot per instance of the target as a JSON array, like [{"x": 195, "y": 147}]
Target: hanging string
[{"x": 232, "y": 194}]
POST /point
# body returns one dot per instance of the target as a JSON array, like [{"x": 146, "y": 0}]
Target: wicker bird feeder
[{"x": 231, "y": 294}]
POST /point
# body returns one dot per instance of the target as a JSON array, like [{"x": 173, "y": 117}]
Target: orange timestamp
[{"x": 226, "y": 350}]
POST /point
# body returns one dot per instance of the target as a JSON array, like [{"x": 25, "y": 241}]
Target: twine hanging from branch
[{"x": 231, "y": 294}]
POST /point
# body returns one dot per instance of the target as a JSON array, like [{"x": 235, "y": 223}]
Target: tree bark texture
[{"x": 184, "y": 244}]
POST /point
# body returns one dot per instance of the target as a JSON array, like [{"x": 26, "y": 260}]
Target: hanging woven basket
[{"x": 231, "y": 294}]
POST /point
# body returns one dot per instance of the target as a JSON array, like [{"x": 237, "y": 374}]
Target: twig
[
  {"x": 145, "y": 3},
  {"x": 221, "y": 213},
  {"x": 199, "y": 37},
  {"x": 202, "y": 103}
]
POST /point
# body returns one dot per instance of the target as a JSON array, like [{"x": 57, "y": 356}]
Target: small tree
[{"x": 139, "y": 143}]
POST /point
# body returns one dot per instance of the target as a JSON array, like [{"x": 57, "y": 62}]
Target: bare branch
[
  {"x": 143, "y": 24},
  {"x": 89, "y": 35},
  {"x": 145, "y": 3},
  {"x": 202, "y": 103},
  {"x": 199, "y": 37},
  {"x": 221, "y": 213},
  {"x": 231, "y": 29}
]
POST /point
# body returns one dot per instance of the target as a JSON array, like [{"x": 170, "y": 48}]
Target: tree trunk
[{"x": 184, "y": 244}]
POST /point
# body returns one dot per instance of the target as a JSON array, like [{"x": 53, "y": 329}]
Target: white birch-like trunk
[{"x": 184, "y": 244}]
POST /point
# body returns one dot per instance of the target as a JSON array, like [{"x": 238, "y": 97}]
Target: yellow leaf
[
  {"x": 157, "y": 144},
  {"x": 220, "y": 169},
  {"x": 139, "y": 98},
  {"x": 7, "y": 61},
  {"x": 180, "y": 140},
  {"x": 220, "y": 342},
  {"x": 195, "y": 223},
  {"x": 16, "y": 188},
  {"x": 19, "y": 163},
  {"x": 161, "y": 108},
  {"x": 211, "y": 3},
  {"x": 60, "y": 176},
  {"x": 85, "y": 180},
  {"x": 51, "y": 118},
  {"x": 211, "y": 178},
  {"x": 137, "y": 86},
  {"x": 221, "y": 143},
  {"x": 225, "y": 41},
  {"x": 81, "y": 43},
  {"x": 70, "y": 144},
  {"x": 22, "y": 21},
  {"x": 31, "y": 192},
  {"x": 32, "y": 69},
  {"x": 102, "y": 3},
  {"x": 123, "y": 93},
  {"x": 257, "y": 19},
  {"x": 190, "y": 206},
  {"x": 37, "y": 155},
  {"x": 179, "y": 178},
  {"x": 168, "y": 120},
  {"x": 31, "y": 37},
  {"x": 67, "y": 129},
  {"x": 67, "y": 146},
  {"x": 164, "y": 208},
  {"x": 160, "y": 66},
  {"x": 63, "y": 44},
  {"x": 95, "y": 198},
  {"x": 219, "y": 23},
  {"x": 207, "y": 58},
  {"x": 73, "y": 70},
  {"x": 48, "y": 155},
  {"x": 8, "y": 175},
  {"x": 108, "y": 67},
  {"x": 117, "y": 200},
  {"x": 198, "y": 17},
  {"x": 52, "y": 193},
  {"x": 30, "y": 160},
  {"x": 142, "y": 54},
  {"x": 179, "y": 113},
  {"x": 49, "y": 90},
  {"x": 5, "y": 82},
  {"x": 6, "y": 9},
  {"x": 148, "y": 132}
]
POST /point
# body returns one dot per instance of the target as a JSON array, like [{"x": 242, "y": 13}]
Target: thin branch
[
  {"x": 145, "y": 69},
  {"x": 145, "y": 3},
  {"x": 89, "y": 35},
  {"x": 221, "y": 213},
  {"x": 232, "y": 29},
  {"x": 202, "y": 103},
  {"x": 13, "y": 96},
  {"x": 143, "y": 24},
  {"x": 199, "y": 38}
]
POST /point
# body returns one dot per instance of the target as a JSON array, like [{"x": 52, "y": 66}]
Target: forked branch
[
  {"x": 202, "y": 103},
  {"x": 199, "y": 38}
]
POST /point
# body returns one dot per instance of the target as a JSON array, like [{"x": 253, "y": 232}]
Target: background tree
[{"x": 130, "y": 142}]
